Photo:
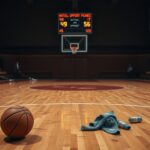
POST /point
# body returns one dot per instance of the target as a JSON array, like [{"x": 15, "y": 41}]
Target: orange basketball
[{"x": 17, "y": 122}]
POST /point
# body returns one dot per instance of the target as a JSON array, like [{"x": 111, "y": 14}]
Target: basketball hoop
[
  {"x": 74, "y": 47},
  {"x": 74, "y": 43}
]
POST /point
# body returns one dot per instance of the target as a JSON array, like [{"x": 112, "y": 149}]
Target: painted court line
[{"x": 49, "y": 104}]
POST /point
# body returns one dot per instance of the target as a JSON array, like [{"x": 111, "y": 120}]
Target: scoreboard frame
[{"x": 85, "y": 18}]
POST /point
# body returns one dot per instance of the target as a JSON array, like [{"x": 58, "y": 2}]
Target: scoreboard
[{"x": 74, "y": 23}]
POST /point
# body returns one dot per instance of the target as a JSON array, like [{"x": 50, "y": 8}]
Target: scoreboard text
[{"x": 74, "y": 23}]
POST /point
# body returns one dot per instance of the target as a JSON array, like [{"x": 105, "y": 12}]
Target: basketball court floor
[{"x": 61, "y": 107}]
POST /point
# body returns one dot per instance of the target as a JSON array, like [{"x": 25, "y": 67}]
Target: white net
[{"x": 74, "y": 47}]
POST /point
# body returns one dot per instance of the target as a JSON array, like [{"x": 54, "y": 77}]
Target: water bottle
[
  {"x": 135, "y": 119},
  {"x": 123, "y": 125}
]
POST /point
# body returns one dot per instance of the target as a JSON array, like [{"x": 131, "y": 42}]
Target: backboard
[{"x": 80, "y": 41}]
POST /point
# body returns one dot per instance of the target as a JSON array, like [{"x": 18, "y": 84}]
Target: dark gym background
[{"x": 121, "y": 36}]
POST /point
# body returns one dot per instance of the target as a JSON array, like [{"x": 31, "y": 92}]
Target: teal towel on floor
[{"x": 106, "y": 122}]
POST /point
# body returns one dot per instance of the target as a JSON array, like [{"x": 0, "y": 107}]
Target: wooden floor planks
[{"x": 59, "y": 114}]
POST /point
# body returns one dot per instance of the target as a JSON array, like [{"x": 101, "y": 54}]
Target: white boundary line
[{"x": 50, "y": 104}]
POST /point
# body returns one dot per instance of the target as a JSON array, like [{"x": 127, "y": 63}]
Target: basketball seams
[
  {"x": 27, "y": 123},
  {"x": 17, "y": 122},
  {"x": 12, "y": 115},
  {"x": 15, "y": 125},
  {"x": 26, "y": 113},
  {"x": 29, "y": 115}
]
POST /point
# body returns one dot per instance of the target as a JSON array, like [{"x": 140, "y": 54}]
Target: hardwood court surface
[{"x": 59, "y": 114}]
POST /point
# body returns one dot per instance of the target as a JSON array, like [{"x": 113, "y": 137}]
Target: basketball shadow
[{"x": 28, "y": 140}]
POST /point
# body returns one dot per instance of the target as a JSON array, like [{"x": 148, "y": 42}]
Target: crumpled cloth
[{"x": 106, "y": 122}]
